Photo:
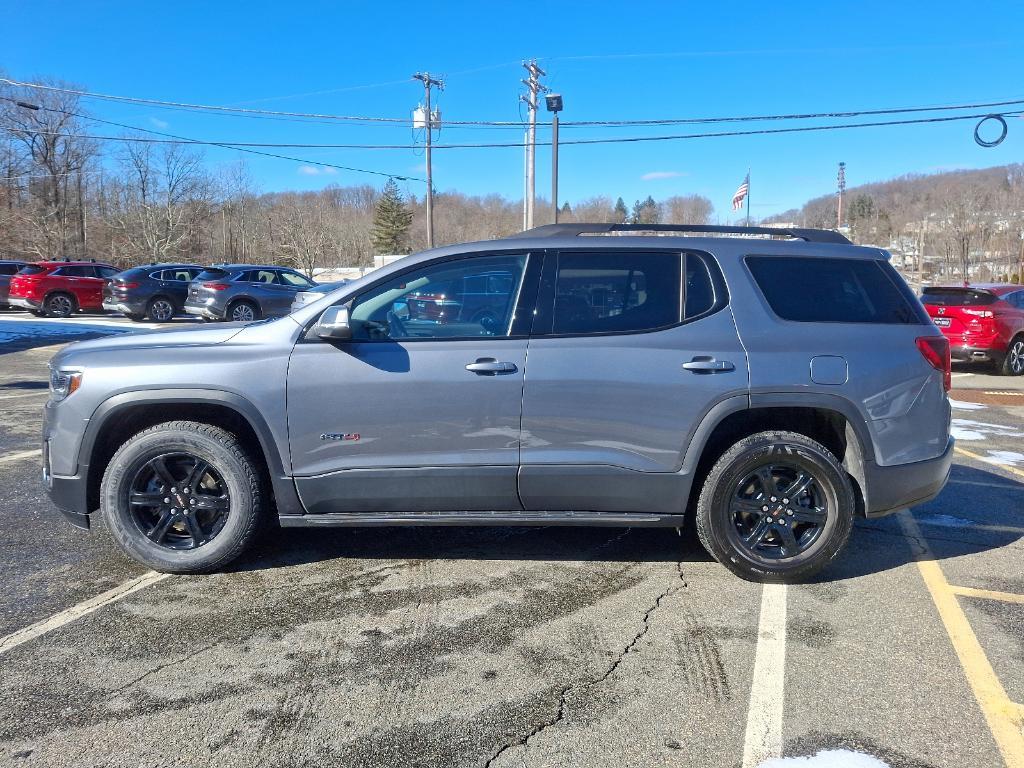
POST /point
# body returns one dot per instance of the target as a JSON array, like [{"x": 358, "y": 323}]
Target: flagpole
[{"x": 748, "y": 197}]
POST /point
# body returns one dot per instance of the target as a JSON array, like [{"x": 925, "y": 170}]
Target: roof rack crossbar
[{"x": 574, "y": 230}]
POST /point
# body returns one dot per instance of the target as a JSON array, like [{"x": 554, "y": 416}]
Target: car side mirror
[{"x": 333, "y": 324}]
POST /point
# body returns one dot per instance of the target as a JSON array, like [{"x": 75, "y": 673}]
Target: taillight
[
  {"x": 935, "y": 349},
  {"x": 979, "y": 312},
  {"x": 215, "y": 286},
  {"x": 126, "y": 285}
]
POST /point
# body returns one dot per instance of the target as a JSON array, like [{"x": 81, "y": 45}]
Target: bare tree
[{"x": 301, "y": 232}]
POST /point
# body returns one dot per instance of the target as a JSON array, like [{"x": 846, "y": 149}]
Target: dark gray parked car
[
  {"x": 244, "y": 292},
  {"x": 769, "y": 390},
  {"x": 7, "y": 270},
  {"x": 154, "y": 291}
]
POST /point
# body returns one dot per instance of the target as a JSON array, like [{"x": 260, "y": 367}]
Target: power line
[
  {"x": 186, "y": 140},
  {"x": 246, "y": 112},
  {"x": 500, "y": 145}
]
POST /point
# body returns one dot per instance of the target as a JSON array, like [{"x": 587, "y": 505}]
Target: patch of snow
[
  {"x": 965, "y": 429},
  {"x": 827, "y": 758},
  {"x": 1011, "y": 458},
  {"x": 962, "y": 406}
]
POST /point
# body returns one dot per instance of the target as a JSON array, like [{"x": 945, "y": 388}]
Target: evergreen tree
[
  {"x": 646, "y": 212},
  {"x": 621, "y": 212},
  {"x": 566, "y": 210},
  {"x": 391, "y": 220}
]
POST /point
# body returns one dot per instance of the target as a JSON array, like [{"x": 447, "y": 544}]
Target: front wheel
[
  {"x": 776, "y": 507},
  {"x": 1013, "y": 363},
  {"x": 182, "y": 497}
]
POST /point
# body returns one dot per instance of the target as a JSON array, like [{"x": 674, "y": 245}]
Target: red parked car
[
  {"x": 984, "y": 323},
  {"x": 60, "y": 288}
]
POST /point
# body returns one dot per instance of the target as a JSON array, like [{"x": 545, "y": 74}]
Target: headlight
[{"x": 63, "y": 383}]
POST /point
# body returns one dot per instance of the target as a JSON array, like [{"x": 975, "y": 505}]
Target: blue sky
[{"x": 609, "y": 60}]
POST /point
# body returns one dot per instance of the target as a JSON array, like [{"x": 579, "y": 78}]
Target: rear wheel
[
  {"x": 243, "y": 312},
  {"x": 1013, "y": 362},
  {"x": 59, "y": 305},
  {"x": 160, "y": 310},
  {"x": 776, "y": 507},
  {"x": 182, "y": 497}
]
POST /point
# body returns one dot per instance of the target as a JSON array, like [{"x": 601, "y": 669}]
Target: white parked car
[{"x": 308, "y": 297}]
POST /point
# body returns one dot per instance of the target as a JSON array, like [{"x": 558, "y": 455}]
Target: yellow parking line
[
  {"x": 987, "y": 594},
  {"x": 987, "y": 460},
  {"x": 1005, "y": 718}
]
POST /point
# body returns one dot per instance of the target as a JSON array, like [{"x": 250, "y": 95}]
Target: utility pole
[
  {"x": 428, "y": 83},
  {"x": 554, "y": 102},
  {"x": 534, "y": 88},
  {"x": 842, "y": 189}
]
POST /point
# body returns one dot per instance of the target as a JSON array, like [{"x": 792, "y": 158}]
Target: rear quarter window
[
  {"x": 31, "y": 269},
  {"x": 835, "y": 290}
]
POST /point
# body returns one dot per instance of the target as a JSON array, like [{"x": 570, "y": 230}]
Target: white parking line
[
  {"x": 58, "y": 620},
  {"x": 4, "y": 459},
  {"x": 763, "y": 739}
]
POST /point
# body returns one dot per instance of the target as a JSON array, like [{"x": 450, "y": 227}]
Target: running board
[{"x": 624, "y": 519}]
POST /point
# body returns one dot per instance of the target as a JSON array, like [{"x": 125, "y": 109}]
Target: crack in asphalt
[
  {"x": 585, "y": 685},
  {"x": 160, "y": 667}
]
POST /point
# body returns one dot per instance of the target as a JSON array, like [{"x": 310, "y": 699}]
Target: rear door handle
[
  {"x": 708, "y": 365},
  {"x": 490, "y": 366}
]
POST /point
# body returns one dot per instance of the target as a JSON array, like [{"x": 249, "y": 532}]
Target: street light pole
[{"x": 554, "y": 103}]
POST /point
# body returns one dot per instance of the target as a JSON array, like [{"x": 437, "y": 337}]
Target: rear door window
[
  {"x": 75, "y": 270},
  {"x": 616, "y": 292},
  {"x": 827, "y": 290}
]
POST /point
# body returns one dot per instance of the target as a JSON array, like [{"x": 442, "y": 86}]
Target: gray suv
[
  {"x": 766, "y": 389},
  {"x": 244, "y": 292}
]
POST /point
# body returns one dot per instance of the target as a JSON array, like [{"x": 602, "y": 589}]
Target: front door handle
[
  {"x": 488, "y": 366},
  {"x": 708, "y": 365}
]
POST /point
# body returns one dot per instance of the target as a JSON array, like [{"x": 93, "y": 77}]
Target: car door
[
  {"x": 629, "y": 350},
  {"x": 411, "y": 414}
]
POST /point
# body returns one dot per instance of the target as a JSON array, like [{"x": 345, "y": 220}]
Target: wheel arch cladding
[{"x": 122, "y": 416}]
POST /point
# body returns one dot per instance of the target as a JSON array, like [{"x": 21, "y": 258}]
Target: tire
[
  {"x": 226, "y": 497},
  {"x": 817, "y": 521},
  {"x": 247, "y": 309},
  {"x": 37, "y": 312},
  {"x": 1013, "y": 361},
  {"x": 135, "y": 318},
  {"x": 59, "y": 305},
  {"x": 161, "y": 309}
]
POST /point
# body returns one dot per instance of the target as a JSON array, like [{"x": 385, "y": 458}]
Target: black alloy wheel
[
  {"x": 1013, "y": 363},
  {"x": 179, "y": 501},
  {"x": 778, "y": 511}
]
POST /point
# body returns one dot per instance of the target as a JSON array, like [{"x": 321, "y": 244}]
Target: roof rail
[{"x": 573, "y": 230}]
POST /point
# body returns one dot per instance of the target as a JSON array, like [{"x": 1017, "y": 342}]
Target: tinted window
[
  {"x": 32, "y": 269},
  {"x": 212, "y": 274},
  {"x": 8, "y": 269},
  {"x": 957, "y": 297},
  {"x": 106, "y": 272},
  {"x": 75, "y": 271},
  {"x": 699, "y": 291},
  {"x": 818, "y": 290},
  {"x": 295, "y": 279},
  {"x": 179, "y": 275},
  {"x": 266, "y": 276},
  {"x": 608, "y": 292},
  {"x": 436, "y": 303}
]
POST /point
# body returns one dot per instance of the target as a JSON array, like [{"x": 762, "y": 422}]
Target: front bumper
[
  {"x": 890, "y": 489},
  {"x": 68, "y": 494},
  {"x": 20, "y": 301}
]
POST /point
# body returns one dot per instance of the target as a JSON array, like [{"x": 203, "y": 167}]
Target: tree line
[{"x": 130, "y": 202}]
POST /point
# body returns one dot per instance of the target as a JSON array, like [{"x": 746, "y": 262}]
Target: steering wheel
[{"x": 395, "y": 324}]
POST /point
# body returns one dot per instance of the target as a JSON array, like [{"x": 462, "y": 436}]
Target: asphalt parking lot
[{"x": 514, "y": 646}]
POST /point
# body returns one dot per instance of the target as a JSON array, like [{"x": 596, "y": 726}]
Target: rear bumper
[
  {"x": 210, "y": 313},
  {"x": 967, "y": 353},
  {"x": 890, "y": 489},
  {"x": 18, "y": 301},
  {"x": 124, "y": 307}
]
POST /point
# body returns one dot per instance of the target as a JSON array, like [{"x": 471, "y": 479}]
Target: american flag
[{"x": 741, "y": 194}]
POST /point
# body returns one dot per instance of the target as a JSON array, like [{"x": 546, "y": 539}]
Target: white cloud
[
  {"x": 159, "y": 123},
  {"x": 313, "y": 170},
  {"x": 656, "y": 175}
]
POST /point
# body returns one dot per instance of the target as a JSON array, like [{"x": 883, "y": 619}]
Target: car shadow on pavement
[
  {"x": 977, "y": 511},
  {"x": 973, "y": 514}
]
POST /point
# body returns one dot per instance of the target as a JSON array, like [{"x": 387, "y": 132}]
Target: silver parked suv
[
  {"x": 770, "y": 389},
  {"x": 244, "y": 292}
]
